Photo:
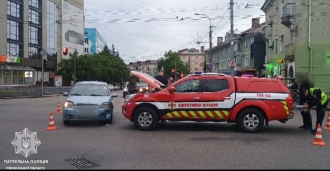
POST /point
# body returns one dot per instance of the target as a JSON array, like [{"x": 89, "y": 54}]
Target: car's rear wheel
[
  {"x": 66, "y": 122},
  {"x": 145, "y": 119},
  {"x": 250, "y": 120}
]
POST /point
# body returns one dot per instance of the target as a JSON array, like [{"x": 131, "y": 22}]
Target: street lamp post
[{"x": 210, "y": 38}]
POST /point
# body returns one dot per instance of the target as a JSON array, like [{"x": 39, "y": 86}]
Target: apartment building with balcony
[
  {"x": 94, "y": 43},
  {"x": 298, "y": 40},
  {"x": 33, "y": 26},
  {"x": 193, "y": 58},
  {"x": 148, "y": 67}
]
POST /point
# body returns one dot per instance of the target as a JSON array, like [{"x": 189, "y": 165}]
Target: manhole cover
[{"x": 81, "y": 163}]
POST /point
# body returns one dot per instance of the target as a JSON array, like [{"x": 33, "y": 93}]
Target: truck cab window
[
  {"x": 216, "y": 85},
  {"x": 188, "y": 86}
]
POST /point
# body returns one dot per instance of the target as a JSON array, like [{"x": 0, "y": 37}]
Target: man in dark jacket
[
  {"x": 160, "y": 77},
  {"x": 131, "y": 86},
  {"x": 306, "y": 116}
]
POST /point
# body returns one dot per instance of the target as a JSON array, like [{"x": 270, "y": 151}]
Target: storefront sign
[{"x": 10, "y": 59}]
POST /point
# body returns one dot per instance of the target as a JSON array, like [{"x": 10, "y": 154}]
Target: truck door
[
  {"x": 185, "y": 100},
  {"x": 219, "y": 97}
]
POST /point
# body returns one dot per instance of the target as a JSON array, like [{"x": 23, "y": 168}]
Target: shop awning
[{"x": 20, "y": 68}]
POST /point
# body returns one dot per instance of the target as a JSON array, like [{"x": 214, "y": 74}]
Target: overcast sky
[{"x": 143, "y": 39}]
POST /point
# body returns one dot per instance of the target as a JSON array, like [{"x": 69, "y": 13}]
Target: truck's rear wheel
[
  {"x": 145, "y": 119},
  {"x": 250, "y": 120}
]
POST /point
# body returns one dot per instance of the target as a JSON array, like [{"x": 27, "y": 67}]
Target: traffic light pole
[
  {"x": 175, "y": 71},
  {"x": 42, "y": 76}
]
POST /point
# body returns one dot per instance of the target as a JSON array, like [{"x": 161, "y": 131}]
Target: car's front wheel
[
  {"x": 250, "y": 120},
  {"x": 145, "y": 119}
]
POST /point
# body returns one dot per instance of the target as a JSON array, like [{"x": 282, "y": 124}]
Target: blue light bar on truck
[{"x": 198, "y": 73}]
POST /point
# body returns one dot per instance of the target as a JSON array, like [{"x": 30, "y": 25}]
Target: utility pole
[
  {"x": 210, "y": 37},
  {"x": 232, "y": 34}
]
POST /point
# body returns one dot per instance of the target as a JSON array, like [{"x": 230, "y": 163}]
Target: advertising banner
[
  {"x": 72, "y": 28},
  {"x": 58, "y": 81}
]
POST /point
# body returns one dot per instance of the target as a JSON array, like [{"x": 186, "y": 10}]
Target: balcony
[
  {"x": 288, "y": 14},
  {"x": 289, "y": 52}
]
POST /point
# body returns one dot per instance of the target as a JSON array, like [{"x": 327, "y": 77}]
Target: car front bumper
[{"x": 95, "y": 113}]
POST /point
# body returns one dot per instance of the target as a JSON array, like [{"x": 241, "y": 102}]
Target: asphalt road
[{"x": 172, "y": 146}]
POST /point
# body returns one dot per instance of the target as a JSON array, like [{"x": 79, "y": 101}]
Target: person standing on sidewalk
[
  {"x": 320, "y": 100},
  {"x": 306, "y": 116}
]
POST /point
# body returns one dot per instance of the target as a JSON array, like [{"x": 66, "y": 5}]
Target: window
[
  {"x": 90, "y": 90},
  {"x": 188, "y": 86},
  {"x": 196, "y": 57},
  {"x": 13, "y": 49},
  {"x": 34, "y": 16},
  {"x": 51, "y": 28},
  {"x": 13, "y": 30},
  {"x": 34, "y": 3},
  {"x": 216, "y": 85},
  {"x": 276, "y": 15},
  {"x": 34, "y": 35},
  {"x": 196, "y": 69},
  {"x": 13, "y": 9},
  {"x": 245, "y": 43},
  {"x": 34, "y": 52},
  {"x": 86, "y": 40},
  {"x": 275, "y": 46},
  {"x": 196, "y": 63},
  {"x": 282, "y": 43},
  {"x": 86, "y": 50}
]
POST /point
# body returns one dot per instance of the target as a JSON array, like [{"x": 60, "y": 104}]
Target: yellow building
[{"x": 194, "y": 58}]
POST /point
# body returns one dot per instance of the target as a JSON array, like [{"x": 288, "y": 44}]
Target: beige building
[
  {"x": 193, "y": 58},
  {"x": 33, "y": 26},
  {"x": 149, "y": 67}
]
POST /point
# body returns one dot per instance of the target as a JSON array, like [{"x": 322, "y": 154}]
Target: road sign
[{"x": 43, "y": 52}]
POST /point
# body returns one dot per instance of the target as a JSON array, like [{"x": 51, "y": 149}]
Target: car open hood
[{"x": 148, "y": 79}]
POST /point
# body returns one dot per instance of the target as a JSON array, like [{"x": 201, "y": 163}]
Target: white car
[{"x": 111, "y": 87}]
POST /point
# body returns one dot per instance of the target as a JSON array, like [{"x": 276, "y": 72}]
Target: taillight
[{"x": 289, "y": 102}]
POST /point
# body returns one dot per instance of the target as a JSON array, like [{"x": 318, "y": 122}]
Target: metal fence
[{"x": 31, "y": 91}]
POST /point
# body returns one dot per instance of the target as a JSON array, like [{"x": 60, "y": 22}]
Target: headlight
[
  {"x": 140, "y": 89},
  {"x": 68, "y": 105},
  {"x": 125, "y": 89},
  {"x": 105, "y": 105},
  {"x": 147, "y": 88}
]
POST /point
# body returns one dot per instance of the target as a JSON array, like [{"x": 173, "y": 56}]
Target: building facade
[
  {"x": 94, "y": 43},
  {"x": 33, "y": 34},
  {"x": 148, "y": 67},
  {"x": 193, "y": 58},
  {"x": 249, "y": 51},
  {"x": 298, "y": 40}
]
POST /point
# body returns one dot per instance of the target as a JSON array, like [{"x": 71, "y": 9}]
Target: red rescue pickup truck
[{"x": 212, "y": 97}]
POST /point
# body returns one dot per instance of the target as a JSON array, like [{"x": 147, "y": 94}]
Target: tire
[
  {"x": 151, "y": 117},
  {"x": 66, "y": 122},
  {"x": 253, "y": 126}
]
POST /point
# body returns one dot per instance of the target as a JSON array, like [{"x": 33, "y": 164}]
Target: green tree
[
  {"x": 98, "y": 67},
  {"x": 172, "y": 61},
  {"x": 106, "y": 50}
]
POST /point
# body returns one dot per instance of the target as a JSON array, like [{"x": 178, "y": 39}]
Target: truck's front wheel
[
  {"x": 145, "y": 119},
  {"x": 250, "y": 120}
]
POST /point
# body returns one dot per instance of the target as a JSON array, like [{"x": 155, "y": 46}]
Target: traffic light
[
  {"x": 65, "y": 51},
  {"x": 45, "y": 63}
]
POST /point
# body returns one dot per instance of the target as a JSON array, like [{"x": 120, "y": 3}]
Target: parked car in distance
[
  {"x": 111, "y": 87},
  {"x": 88, "y": 100}
]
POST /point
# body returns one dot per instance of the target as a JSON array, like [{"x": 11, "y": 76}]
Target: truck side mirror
[{"x": 171, "y": 90}]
